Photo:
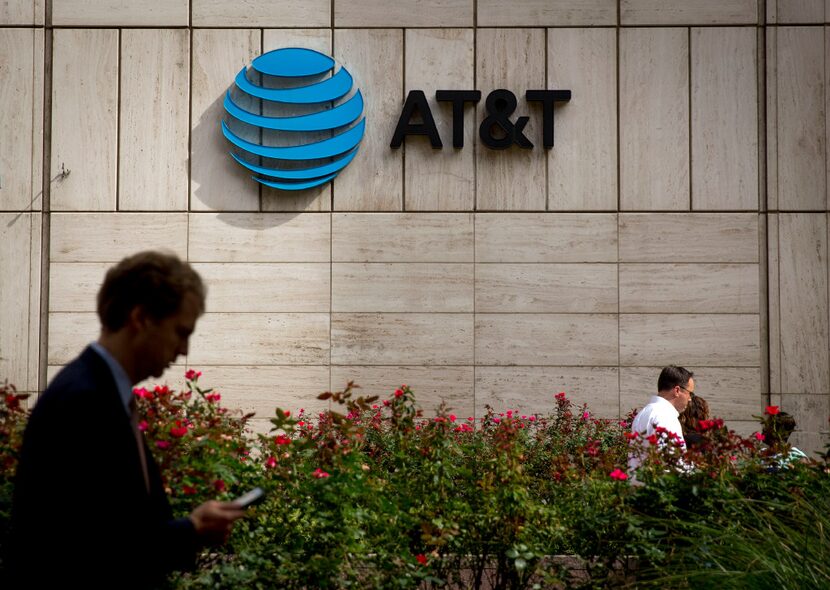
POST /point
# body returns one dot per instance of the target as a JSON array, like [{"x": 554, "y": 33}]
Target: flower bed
[{"x": 374, "y": 495}]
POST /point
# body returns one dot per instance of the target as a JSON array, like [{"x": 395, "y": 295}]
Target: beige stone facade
[{"x": 682, "y": 216}]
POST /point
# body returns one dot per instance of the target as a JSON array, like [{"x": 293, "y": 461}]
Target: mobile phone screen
[{"x": 255, "y": 496}]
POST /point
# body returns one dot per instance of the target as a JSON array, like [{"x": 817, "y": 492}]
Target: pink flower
[
  {"x": 386, "y": 403},
  {"x": 142, "y": 426},
  {"x": 422, "y": 559},
  {"x": 162, "y": 444},
  {"x": 618, "y": 474},
  {"x": 320, "y": 474},
  {"x": 271, "y": 462},
  {"x": 532, "y": 418},
  {"x": 219, "y": 485},
  {"x": 142, "y": 393},
  {"x": 586, "y": 415},
  {"x": 192, "y": 375},
  {"x": 496, "y": 420},
  {"x": 759, "y": 436},
  {"x": 772, "y": 410}
]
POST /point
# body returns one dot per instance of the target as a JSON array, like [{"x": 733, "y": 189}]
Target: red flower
[
  {"x": 618, "y": 474},
  {"x": 320, "y": 474},
  {"x": 652, "y": 439},
  {"x": 142, "y": 393},
  {"x": 386, "y": 402},
  {"x": 422, "y": 559},
  {"x": 772, "y": 410},
  {"x": 162, "y": 444},
  {"x": 452, "y": 418},
  {"x": 179, "y": 430},
  {"x": 142, "y": 426},
  {"x": 271, "y": 462},
  {"x": 161, "y": 389},
  {"x": 213, "y": 397},
  {"x": 631, "y": 435},
  {"x": 398, "y": 392},
  {"x": 188, "y": 490},
  {"x": 219, "y": 485},
  {"x": 560, "y": 395},
  {"x": 759, "y": 436},
  {"x": 281, "y": 439},
  {"x": 286, "y": 413},
  {"x": 192, "y": 375}
]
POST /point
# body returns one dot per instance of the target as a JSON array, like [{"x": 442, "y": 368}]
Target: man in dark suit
[{"x": 89, "y": 508}]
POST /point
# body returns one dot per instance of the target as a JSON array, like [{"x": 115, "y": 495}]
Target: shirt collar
[
  {"x": 122, "y": 381},
  {"x": 664, "y": 404}
]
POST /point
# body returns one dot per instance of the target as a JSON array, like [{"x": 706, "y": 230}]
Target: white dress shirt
[{"x": 658, "y": 412}]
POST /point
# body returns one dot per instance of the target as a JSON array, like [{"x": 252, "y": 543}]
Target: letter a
[{"x": 416, "y": 100}]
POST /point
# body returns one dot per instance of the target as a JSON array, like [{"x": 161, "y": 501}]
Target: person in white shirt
[{"x": 675, "y": 389}]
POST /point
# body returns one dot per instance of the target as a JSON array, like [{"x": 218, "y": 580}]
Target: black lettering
[
  {"x": 500, "y": 105},
  {"x": 416, "y": 101},
  {"x": 458, "y": 98},
  {"x": 548, "y": 98}
]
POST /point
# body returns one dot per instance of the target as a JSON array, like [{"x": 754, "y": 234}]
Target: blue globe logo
[{"x": 293, "y": 120}]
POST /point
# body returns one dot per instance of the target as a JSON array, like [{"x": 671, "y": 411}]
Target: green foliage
[{"x": 372, "y": 494}]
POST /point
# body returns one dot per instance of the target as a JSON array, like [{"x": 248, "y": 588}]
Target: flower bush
[
  {"x": 13, "y": 416},
  {"x": 374, "y": 494}
]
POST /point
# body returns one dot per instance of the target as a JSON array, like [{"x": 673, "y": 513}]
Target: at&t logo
[{"x": 291, "y": 123}]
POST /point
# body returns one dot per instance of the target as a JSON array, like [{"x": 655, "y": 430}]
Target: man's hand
[{"x": 214, "y": 520}]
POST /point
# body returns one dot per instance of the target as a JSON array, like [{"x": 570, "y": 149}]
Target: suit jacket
[{"x": 81, "y": 513}]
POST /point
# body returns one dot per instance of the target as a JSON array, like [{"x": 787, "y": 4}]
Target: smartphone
[{"x": 255, "y": 496}]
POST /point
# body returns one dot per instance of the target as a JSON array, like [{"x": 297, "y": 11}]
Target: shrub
[
  {"x": 13, "y": 416},
  {"x": 373, "y": 494}
]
